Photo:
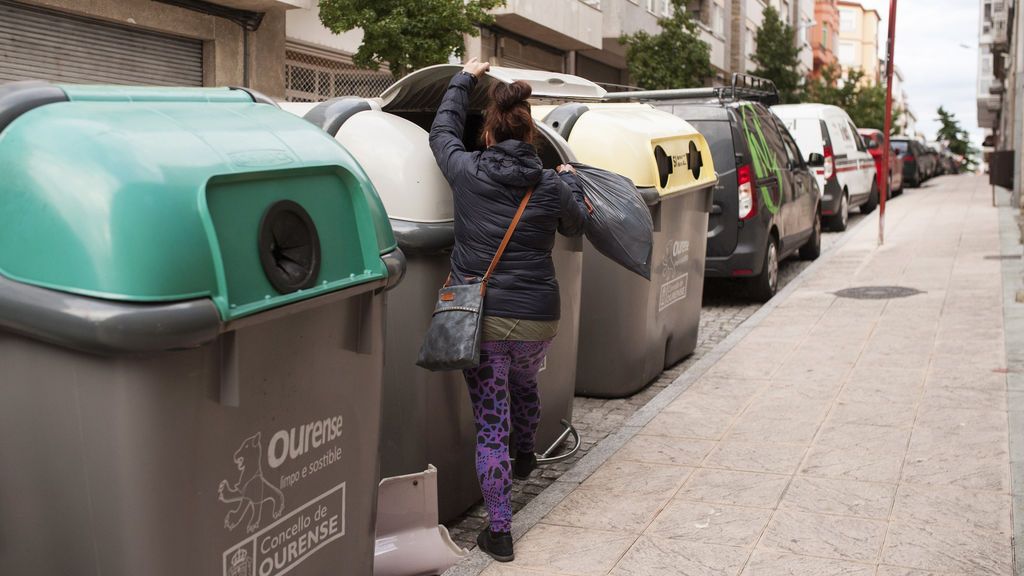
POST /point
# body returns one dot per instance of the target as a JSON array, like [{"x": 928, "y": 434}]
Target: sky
[{"x": 937, "y": 50}]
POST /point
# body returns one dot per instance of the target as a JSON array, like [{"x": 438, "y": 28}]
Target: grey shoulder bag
[{"x": 453, "y": 339}]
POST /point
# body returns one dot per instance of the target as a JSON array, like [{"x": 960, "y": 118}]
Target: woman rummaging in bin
[{"x": 521, "y": 303}]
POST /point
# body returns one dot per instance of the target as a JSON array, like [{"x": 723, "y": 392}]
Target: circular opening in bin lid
[
  {"x": 289, "y": 247},
  {"x": 694, "y": 160},
  {"x": 664, "y": 162}
]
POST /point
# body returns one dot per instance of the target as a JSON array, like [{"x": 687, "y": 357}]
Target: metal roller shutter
[
  {"x": 516, "y": 54},
  {"x": 40, "y": 44}
]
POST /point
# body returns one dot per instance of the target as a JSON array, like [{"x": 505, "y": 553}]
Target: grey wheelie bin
[
  {"x": 632, "y": 329},
  {"x": 427, "y": 415},
  {"x": 192, "y": 290}
]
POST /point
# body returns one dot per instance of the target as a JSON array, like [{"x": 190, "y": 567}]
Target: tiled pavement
[
  {"x": 725, "y": 307},
  {"x": 838, "y": 436}
]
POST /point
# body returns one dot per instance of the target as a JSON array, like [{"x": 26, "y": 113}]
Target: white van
[{"x": 847, "y": 178}]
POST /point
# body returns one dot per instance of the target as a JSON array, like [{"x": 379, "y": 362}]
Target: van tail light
[
  {"x": 830, "y": 163},
  {"x": 748, "y": 208},
  {"x": 908, "y": 158}
]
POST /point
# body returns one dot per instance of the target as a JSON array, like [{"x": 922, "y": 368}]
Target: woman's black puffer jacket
[{"x": 487, "y": 188}]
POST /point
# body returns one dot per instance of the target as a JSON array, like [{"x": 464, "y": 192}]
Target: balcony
[
  {"x": 625, "y": 17},
  {"x": 987, "y": 108},
  {"x": 563, "y": 24},
  {"x": 997, "y": 28},
  {"x": 263, "y": 5}
]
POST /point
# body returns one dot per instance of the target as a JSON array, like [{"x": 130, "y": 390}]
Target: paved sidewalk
[{"x": 837, "y": 436}]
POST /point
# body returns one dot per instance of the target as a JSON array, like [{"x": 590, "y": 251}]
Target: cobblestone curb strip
[
  {"x": 1013, "y": 324},
  {"x": 546, "y": 501}
]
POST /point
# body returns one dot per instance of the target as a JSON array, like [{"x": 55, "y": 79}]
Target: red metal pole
[{"x": 890, "y": 48}]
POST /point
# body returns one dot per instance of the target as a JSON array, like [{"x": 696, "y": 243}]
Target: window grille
[{"x": 315, "y": 77}]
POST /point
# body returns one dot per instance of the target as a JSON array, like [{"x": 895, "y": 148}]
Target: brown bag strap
[{"x": 506, "y": 239}]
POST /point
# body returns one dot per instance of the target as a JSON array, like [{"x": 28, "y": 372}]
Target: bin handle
[{"x": 103, "y": 326}]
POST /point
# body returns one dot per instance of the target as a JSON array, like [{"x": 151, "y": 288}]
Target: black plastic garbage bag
[{"x": 620, "y": 224}]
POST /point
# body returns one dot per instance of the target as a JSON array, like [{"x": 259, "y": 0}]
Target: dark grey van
[{"x": 767, "y": 202}]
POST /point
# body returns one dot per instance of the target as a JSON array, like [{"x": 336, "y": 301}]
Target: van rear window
[
  {"x": 718, "y": 133},
  {"x": 808, "y": 134},
  {"x": 900, "y": 145}
]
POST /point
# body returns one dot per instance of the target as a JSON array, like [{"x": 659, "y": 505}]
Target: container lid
[
  {"x": 653, "y": 148},
  {"x": 396, "y": 155},
  {"x": 164, "y": 195},
  {"x": 422, "y": 90}
]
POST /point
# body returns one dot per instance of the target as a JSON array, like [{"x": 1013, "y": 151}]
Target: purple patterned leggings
[{"x": 508, "y": 369}]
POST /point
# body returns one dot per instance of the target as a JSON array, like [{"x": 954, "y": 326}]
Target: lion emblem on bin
[{"x": 252, "y": 492}]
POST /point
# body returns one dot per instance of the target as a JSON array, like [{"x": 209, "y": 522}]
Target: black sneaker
[
  {"x": 497, "y": 545},
  {"x": 526, "y": 462}
]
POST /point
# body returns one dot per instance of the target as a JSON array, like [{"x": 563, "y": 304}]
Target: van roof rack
[{"x": 743, "y": 87}]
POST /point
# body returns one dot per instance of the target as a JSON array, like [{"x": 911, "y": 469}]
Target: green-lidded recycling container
[
  {"x": 632, "y": 329},
  {"x": 191, "y": 332}
]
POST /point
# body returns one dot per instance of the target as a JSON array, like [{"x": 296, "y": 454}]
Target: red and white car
[{"x": 848, "y": 177}]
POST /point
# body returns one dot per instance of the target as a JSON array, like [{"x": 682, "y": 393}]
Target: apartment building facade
[
  {"x": 906, "y": 121},
  {"x": 280, "y": 48},
  {"x": 1000, "y": 89},
  {"x": 823, "y": 34},
  {"x": 857, "y": 40}
]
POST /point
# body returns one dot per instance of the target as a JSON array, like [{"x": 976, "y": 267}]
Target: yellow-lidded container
[{"x": 632, "y": 329}]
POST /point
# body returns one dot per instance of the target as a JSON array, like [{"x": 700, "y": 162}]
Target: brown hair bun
[
  {"x": 508, "y": 115},
  {"x": 508, "y": 96}
]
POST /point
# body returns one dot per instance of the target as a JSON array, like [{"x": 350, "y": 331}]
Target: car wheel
[
  {"x": 838, "y": 221},
  {"x": 765, "y": 286},
  {"x": 872, "y": 203},
  {"x": 812, "y": 249}
]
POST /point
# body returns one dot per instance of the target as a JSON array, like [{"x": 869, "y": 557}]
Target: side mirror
[{"x": 815, "y": 159}]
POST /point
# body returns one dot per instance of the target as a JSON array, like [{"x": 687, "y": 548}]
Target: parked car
[
  {"x": 874, "y": 139},
  {"x": 950, "y": 165},
  {"x": 847, "y": 178},
  {"x": 766, "y": 205},
  {"x": 917, "y": 163},
  {"x": 934, "y": 165}
]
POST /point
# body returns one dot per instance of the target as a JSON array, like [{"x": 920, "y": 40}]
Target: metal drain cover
[
  {"x": 878, "y": 292},
  {"x": 1003, "y": 257}
]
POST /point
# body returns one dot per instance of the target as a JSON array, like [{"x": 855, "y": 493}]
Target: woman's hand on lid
[{"x": 476, "y": 67}]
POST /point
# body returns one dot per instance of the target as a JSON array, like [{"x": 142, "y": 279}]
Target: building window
[
  {"x": 718, "y": 19},
  {"x": 848, "y": 54},
  {"x": 847, "y": 21},
  {"x": 824, "y": 37},
  {"x": 660, "y": 7}
]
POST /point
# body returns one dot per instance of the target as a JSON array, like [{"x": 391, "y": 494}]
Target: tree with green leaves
[
  {"x": 957, "y": 139},
  {"x": 777, "y": 56},
  {"x": 865, "y": 103},
  {"x": 407, "y": 34},
  {"x": 676, "y": 57}
]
